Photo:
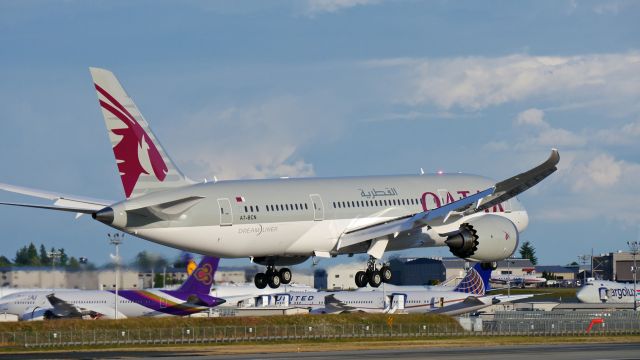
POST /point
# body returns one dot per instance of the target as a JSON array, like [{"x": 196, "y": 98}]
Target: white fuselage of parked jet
[{"x": 610, "y": 292}]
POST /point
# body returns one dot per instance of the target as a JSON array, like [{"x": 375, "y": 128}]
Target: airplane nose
[{"x": 581, "y": 295}]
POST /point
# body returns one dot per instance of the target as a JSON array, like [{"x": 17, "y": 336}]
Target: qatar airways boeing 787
[{"x": 281, "y": 222}]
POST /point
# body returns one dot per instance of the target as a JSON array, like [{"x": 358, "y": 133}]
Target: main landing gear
[
  {"x": 272, "y": 277},
  {"x": 372, "y": 275}
]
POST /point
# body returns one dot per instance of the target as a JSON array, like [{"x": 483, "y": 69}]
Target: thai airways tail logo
[
  {"x": 135, "y": 153},
  {"x": 204, "y": 274}
]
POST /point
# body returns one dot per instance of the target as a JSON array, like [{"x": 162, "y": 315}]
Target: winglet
[{"x": 516, "y": 185}]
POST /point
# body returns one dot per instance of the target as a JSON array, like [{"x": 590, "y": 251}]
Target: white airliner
[
  {"x": 610, "y": 292},
  {"x": 514, "y": 280},
  {"x": 469, "y": 295},
  {"x": 192, "y": 297},
  {"x": 281, "y": 222}
]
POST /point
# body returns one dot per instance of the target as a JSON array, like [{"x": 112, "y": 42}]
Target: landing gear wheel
[
  {"x": 385, "y": 272},
  {"x": 260, "y": 280},
  {"x": 285, "y": 276},
  {"x": 375, "y": 279},
  {"x": 274, "y": 280},
  {"x": 361, "y": 279}
]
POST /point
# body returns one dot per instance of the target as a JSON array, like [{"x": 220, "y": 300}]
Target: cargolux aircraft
[
  {"x": 610, "y": 292},
  {"x": 192, "y": 297},
  {"x": 281, "y": 222}
]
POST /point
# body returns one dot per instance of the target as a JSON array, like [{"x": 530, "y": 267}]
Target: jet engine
[
  {"x": 486, "y": 238},
  {"x": 37, "y": 314}
]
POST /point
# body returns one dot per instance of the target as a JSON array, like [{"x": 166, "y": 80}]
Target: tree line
[{"x": 30, "y": 255}]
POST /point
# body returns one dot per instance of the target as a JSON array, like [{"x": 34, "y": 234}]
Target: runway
[{"x": 524, "y": 352}]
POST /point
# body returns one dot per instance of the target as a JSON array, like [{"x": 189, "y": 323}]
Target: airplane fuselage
[
  {"x": 611, "y": 292},
  {"x": 131, "y": 303},
  {"x": 299, "y": 217}
]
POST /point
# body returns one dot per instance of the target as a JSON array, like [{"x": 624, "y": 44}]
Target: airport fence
[{"x": 504, "y": 324}]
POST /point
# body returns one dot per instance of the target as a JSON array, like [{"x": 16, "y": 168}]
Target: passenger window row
[
  {"x": 374, "y": 203},
  {"x": 277, "y": 207}
]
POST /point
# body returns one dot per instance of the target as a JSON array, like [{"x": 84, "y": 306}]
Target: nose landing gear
[
  {"x": 372, "y": 275},
  {"x": 272, "y": 277}
]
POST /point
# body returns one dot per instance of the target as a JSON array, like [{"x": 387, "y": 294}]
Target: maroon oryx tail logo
[
  {"x": 135, "y": 142},
  {"x": 204, "y": 274}
]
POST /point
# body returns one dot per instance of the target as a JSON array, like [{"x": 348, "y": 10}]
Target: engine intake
[{"x": 485, "y": 238}]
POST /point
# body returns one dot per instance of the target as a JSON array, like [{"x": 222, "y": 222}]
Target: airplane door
[
  {"x": 226, "y": 214},
  {"x": 398, "y": 302},
  {"x": 318, "y": 208},
  {"x": 604, "y": 294}
]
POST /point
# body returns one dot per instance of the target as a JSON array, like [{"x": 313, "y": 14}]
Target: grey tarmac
[{"x": 616, "y": 351}]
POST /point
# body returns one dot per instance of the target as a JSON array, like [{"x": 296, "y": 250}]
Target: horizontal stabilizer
[
  {"x": 58, "y": 208},
  {"x": 55, "y": 196}
]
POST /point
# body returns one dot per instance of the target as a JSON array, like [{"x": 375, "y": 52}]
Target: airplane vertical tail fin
[
  {"x": 200, "y": 281},
  {"x": 143, "y": 164},
  {"x": 476, "y": 282}
]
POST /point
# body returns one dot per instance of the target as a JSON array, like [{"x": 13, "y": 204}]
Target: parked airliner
[
  {"x": 469, "y": 295},
  {"x": 611, "y": 292},
  {"x": 191, "y": 298},
  {"x": 281, "y": 222},
  {"x": 517, "y": 280}
]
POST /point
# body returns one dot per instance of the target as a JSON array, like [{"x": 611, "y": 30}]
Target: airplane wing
[
  {"x": 64, "y": 309},
  {"x": 61, "y": 202},
  {"x": 333, "y": 305},
  {"x": 470, "y": 304},
  {"x": 494, "y": 195},
  {"x": 505, "y": 299}
]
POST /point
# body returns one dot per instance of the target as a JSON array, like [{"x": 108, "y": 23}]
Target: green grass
[{"x": 176, "y": 322}]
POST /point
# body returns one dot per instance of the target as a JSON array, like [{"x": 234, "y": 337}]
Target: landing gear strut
[
  {"x": 272, "y": 277},
  {"x": 372, "y": 275}
]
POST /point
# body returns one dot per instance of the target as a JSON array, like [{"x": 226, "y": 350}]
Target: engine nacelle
[
  {"x": 38, "y": 314},
  {"x": 485, "y": 238}
]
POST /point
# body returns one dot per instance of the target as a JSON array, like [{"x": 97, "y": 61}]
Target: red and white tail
[{"x": 143, "y": 164}]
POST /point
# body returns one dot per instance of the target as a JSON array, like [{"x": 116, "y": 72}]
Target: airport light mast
[
  {"x": 584, "y": 260},
  {"x": 53, "y": 255},
  {"x": 634, "y": 247},
  {"x": 116, "y": 240}
]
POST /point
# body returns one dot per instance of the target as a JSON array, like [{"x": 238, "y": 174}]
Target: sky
[{"x": 259, "y": 89}]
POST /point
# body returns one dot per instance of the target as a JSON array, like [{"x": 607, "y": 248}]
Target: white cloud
[
  {"x": 259, "y": 140},
  {"x": 315, "y": 7},
  {"x": 532, "y": 117},
  {"x": 559, "y": 138},
  {"x": 626, "y": 135},
  {"x": 603, "y": 171},
  {"x": 474, "y": 83},
  {"x": 543, "y": 134}
]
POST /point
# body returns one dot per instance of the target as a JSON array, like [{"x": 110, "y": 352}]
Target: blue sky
[{"x": 254, "y": 89}]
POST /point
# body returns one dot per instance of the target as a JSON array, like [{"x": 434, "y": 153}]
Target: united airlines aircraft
[{"x": 281, "y": 222}]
